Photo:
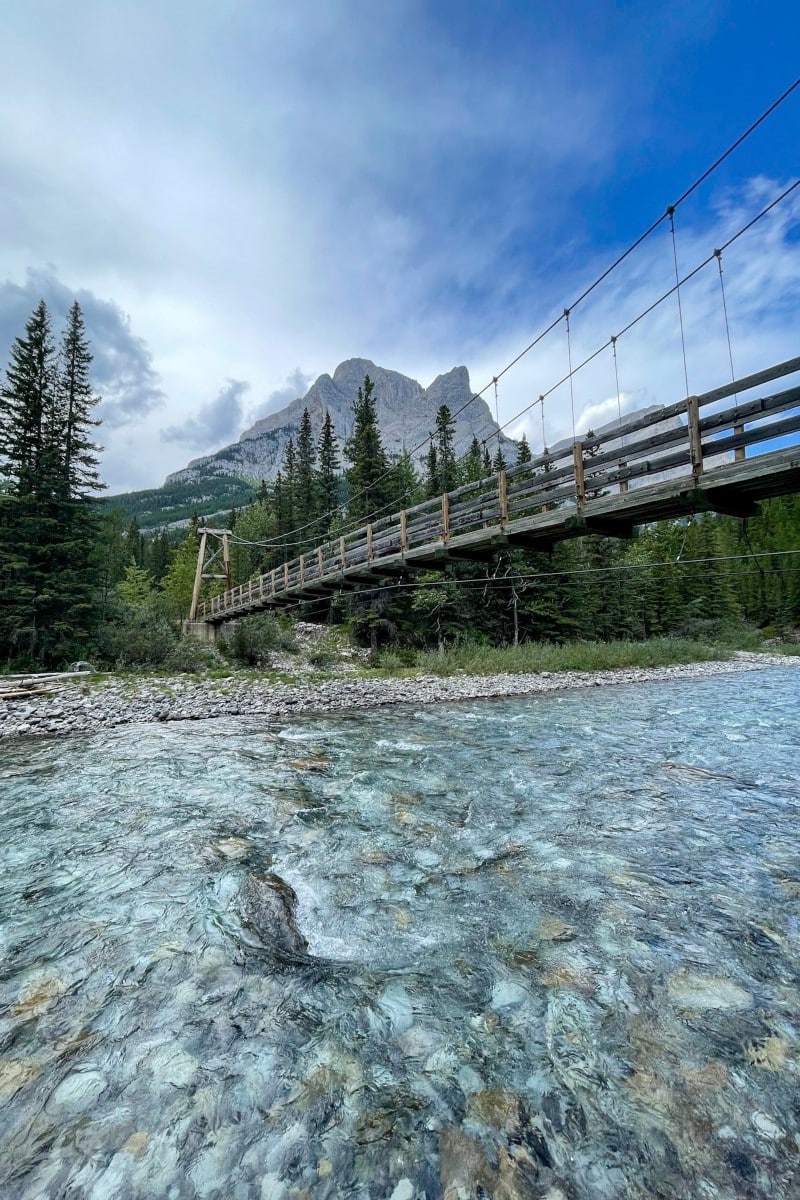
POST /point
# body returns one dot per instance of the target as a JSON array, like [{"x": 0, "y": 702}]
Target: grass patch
[{"x": 536, "y": 657}]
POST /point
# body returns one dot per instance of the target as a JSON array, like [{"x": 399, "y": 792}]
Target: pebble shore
[{"x": 83, "y": 708}]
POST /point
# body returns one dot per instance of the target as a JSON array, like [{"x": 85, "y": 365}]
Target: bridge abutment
[{"x": 204, "y": 631}]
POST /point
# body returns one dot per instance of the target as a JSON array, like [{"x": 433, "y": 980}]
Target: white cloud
[
  {"x": 262, "y": 185},
  {"x": 214, "y": 424}
]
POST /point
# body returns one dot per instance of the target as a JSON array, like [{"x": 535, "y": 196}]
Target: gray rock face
[{"x": 406, "y": 414}]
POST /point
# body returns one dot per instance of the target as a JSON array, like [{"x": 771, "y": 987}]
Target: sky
[{"x": 242, "y": 194}]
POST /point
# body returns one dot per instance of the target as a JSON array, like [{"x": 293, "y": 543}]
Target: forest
[{"x": 80, "y": 579}]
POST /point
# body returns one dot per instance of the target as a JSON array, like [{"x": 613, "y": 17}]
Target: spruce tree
[
  {"x": 446, "y": 476},
  {"x": 432, "y": 470},
  {"x": 307, "y": 500},
  {"x": 472, "y": 467},
  {"x": 366, "y": 476},
  {"x": 48, "y": 526},
  {"x": 328, "y": 468}
]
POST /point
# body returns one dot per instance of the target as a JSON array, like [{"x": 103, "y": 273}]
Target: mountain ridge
[{"x": 406, "y": 416}]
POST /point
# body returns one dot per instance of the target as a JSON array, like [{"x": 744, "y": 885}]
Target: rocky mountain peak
[{"x": 406, "y": 415}]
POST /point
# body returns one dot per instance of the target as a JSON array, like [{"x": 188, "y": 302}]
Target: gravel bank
[{"x": 79, "y": 708}]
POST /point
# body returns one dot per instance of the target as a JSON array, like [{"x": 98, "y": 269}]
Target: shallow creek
[{"x": 516, "y": 948}]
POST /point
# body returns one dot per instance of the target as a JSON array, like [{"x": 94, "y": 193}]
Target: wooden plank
[
  {"x": 445, "y": 516},
  {"x": 752, "y": 436},
  {"x": 754, "y": 410},
  {"x": 403, "y": 530},
  {"x": 789, "y": 367}
]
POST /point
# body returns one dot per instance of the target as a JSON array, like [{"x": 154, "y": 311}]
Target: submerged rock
[
  {"x": 268, "y": 908},
  {"x": 232, "y": 848},
  {"x": 703, "y": 992}
]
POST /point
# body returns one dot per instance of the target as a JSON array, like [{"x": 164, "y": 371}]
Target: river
[{"x": 542, "y": 948}]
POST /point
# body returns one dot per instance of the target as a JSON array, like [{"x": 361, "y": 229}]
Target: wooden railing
[{"x": 700, "y": 438}]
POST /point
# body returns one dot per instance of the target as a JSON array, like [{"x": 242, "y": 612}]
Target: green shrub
[
  {"x": 138, "y": 637},
  {"x": 252, "y": 640},
  {"x": 189, "y": 655}
]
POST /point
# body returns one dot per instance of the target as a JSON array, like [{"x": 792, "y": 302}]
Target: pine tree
[
  {"x": 307, "y": 497},
  {"x": 402, "y": 484},
  {"x": 446, "y": 468},
  {"x": 48, "y": 525},
  {"x": 432, "y": 470},
  {"x": 472, "y": 469},
  {"x": 75, "y": 403},
  {"x": 499, "y": 461},
  {"x": 328, "y": 468},
  {"x": 366, "y": 476}
]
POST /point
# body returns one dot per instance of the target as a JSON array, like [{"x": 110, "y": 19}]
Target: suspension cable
[
  {"x": 616, "y": 377},
  {"x": 671, "y": 213},
  {"x": 665, "y": 296},
  {"x": 718, "y": 256},
  {"x": 600, "y": 279},
  {"x": 569, "y": 363}
]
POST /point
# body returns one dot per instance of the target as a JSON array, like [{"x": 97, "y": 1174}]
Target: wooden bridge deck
[{"x": 703, "y": 460}]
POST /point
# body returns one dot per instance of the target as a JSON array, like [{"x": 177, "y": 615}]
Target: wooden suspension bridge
[{"x": 696, "y": 455}]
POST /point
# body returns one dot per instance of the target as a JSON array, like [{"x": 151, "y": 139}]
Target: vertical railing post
[
  {"x": 403, "y": 531},
  {"x": 695, "y": 443},
  {"x": 623, "y": 483},
  {"x": 502, "y": 496},
  {"x": 739, "y": 454},
  {"x": 302, "y": 568},
  {"x": 320, "y": 560},
  {"x": 580, "y": 479},
  {"x": 445, "y": 516},
  {"x": 342, "y": 553},
  {"x": 272, "y": 580},
  {"x": 286, "y": 574},
  {"x": 369, "y": 541}
]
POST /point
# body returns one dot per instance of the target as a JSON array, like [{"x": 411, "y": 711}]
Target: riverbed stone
[
  {"x": 689, "y": 991},
  {"x": 79, "y": 1091},
  {"x": 110, "y": 704}
]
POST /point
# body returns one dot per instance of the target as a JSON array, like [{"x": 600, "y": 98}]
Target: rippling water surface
[{"x": 552, "y": 951}]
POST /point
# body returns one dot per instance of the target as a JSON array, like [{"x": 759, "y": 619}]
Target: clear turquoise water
[{"x": 553, "y": 951}]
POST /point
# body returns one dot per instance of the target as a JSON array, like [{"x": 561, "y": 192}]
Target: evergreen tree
[
  {"x": 135, "y": 543},
  {"x": 402, "y": 484},
  {"x": 499, "y": 461},
  {"x": 307, "y": 495},
  {"x": 472, "y": 468},
  {"x": 328, "y": 468},
  {"x": 75, "y": 404},
  {"x": 431, "y": 471},
  {"x": 48, "y": 526},
  {"x": 446, "y": 469},
  {"x": 366, "y": 476}
]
